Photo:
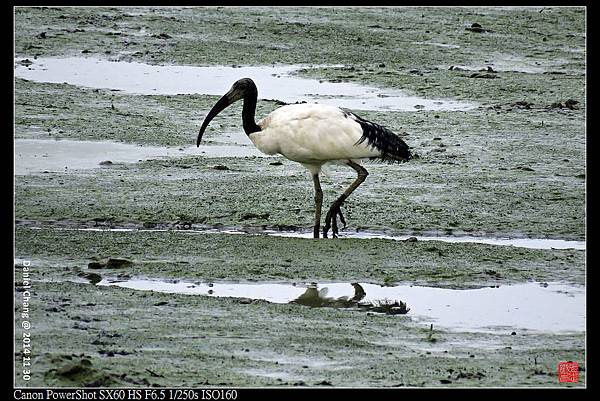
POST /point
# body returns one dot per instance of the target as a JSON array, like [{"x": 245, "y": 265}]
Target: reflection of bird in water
[
  {"x": 318, "y": 298},
  {"x": 315, "y": 297},
  {"x": 359, "y": 292}
]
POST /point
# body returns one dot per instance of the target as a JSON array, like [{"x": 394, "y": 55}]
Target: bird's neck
[{"x": 248, "y": 112}]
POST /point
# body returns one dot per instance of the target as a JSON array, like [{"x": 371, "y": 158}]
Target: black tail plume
[{"x": 391, "y": 146}]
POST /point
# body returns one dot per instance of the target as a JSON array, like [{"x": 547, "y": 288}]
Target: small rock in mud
[
  {"x": 248, "y": 216},
  {"x": 482, "y": 75},
  {"x": 54, "y": 309},
  {"x": 25, "y": 62},
  {"x": 83, "y": 379},
  {"x": 276, "y": 164},
  {"x": 475, "y": 27},
  {"x": 42, "y": 35},
  {"x": 94, "y": 278},
  {"x": 524, "y": 168},
  {"x": 162, "y": 36},
  {"x": 105, "y": 163},
  {"x": 84, "y": 319},
  {"x": 220, "y": 167},
  {"x": 411, "y": 239},
  {"x": 324, "y": 383},
  {"x": 445, "y": 381},
  {"x": 245, "y": 301},
  {"x": 110, "y": 263},
  {"x": 522, "y": 104},
  {"x": 114, "y": 263},
  {"x": 74, "y": 368},
  {"x": 470, "y": 375},
  {"x": 570, "y": 104},
  {"x": 96, "y": 265}
]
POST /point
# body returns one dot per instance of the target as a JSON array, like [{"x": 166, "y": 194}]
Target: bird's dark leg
[
  {"x": 318, "y": 204},
  {"x": 334, "y": 210}
]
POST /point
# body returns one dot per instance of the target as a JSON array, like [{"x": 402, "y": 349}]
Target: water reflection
[
  {"x": 315, "y": 297},
  {"x": 530, "y": 305}
]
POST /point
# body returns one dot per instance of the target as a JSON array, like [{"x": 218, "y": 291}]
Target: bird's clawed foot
[{"x": 331, "y": 221}]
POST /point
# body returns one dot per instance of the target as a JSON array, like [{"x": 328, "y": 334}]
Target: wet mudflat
[{"x": 510, "y": 165}]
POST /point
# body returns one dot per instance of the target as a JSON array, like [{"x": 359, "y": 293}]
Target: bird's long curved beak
[{"x": 223, "y": 102}]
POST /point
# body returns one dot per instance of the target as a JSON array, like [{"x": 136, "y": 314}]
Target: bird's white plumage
[{"x": 312, "y": 134}]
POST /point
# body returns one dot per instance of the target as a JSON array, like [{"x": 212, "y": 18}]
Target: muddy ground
[{"x": 514, "y": 166}]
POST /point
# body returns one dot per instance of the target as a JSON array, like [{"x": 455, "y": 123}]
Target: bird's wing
[
  {"x": 312, "y": 133},
  {"x": 317, "y": 133}
]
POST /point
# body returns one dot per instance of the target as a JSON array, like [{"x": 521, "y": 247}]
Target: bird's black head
[{"x": 241, "y": 89}]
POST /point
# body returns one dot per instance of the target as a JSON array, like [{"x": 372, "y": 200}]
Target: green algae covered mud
[{"x": 147, "y": 262}]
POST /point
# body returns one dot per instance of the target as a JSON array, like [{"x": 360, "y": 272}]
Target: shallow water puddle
[
  {"x": 274, "y": 82},
  {"x": 532, "y": 306},
  {"x": 530, "y": 243},
  {"x": 37, "y": 155}
]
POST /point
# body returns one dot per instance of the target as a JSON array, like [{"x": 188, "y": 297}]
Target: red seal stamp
[{"x": 568, "y": 372}]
